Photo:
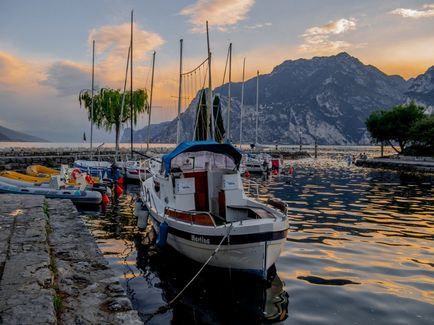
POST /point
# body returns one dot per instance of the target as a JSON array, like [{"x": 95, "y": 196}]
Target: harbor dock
[
  {"x": 51, "y": 269},
  {"x": 402, "y": 164}
]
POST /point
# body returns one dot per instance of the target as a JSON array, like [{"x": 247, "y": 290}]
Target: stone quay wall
[{"x": 51, "y": 270}]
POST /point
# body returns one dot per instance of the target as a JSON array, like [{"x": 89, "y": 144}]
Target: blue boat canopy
[{"x": 195, "y": 146}]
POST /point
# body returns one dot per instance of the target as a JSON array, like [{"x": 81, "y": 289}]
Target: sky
[{"x": 46, "y": 48}]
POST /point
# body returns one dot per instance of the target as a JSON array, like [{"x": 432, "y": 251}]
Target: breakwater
[
  {"x": 19, "y": 159},
  {"x": 51, "y": 270},
  {"x": 402, "y": 164}
]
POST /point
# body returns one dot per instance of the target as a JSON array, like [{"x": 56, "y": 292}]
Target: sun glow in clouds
[{"x": 219, "y": 13}]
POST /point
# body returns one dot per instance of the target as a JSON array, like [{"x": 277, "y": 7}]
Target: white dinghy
[{"x": 198, "y": 206}]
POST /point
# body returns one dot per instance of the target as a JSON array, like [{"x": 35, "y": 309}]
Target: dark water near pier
[{"x": 360, "y": 251}]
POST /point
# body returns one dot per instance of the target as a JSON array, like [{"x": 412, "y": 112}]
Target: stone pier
[{"x": 51, "y": 270}]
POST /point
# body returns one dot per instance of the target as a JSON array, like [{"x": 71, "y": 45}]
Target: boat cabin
[{"x": 202, "y": 176}]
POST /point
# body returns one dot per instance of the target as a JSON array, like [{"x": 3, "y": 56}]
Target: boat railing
[
  {"x": 251, "y": 186},
  {"x": 190, "y": 216}
]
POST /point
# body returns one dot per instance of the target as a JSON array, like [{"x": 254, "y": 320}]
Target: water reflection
[
  {"x": 359, "y": 251},
  {"x": 215, "y": 297}
]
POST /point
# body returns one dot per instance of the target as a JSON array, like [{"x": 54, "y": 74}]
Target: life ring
[{"x": 76, "y": 173}]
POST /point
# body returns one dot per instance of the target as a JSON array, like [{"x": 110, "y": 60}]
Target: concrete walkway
[{"x": 51, "y": 270}]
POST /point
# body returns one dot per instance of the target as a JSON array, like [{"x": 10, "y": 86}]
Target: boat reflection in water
[{"x": 215, "y": 297}]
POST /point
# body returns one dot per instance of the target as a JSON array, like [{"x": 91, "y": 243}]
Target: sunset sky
[{"x": 45, "y": 48}]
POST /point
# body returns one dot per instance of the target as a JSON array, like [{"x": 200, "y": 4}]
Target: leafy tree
[
  {"x": 394, "y": 125},
  {"x": 422, "y": 132},
  {"x": 107, "y": 108}
]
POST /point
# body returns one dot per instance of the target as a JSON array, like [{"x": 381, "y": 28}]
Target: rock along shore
[{"x": 51, "y": 270}]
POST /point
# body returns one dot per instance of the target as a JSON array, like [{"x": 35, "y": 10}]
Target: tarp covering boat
[{"x": 196, "y": 146}]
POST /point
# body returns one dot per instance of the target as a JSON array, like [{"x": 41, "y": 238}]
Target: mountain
[
  {"x": 421, "y": 89},
  {"x": 328, "y": 98},
  {"x": 8, "y": 135}
]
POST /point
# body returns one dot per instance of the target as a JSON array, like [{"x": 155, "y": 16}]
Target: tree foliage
[
  {"x": 108, "y": 112},
  {"x": 394, "y": 126}
]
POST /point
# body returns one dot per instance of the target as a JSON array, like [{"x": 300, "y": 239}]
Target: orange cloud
[
  {"x": 17, "y": 75},
  {"x": 219, "y": 13}
]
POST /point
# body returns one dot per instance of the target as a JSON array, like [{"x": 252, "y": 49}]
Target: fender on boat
[{"x": 162, "y": 234}]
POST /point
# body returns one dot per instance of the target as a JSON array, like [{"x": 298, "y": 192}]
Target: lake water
[{"x": 360, "y": 250}]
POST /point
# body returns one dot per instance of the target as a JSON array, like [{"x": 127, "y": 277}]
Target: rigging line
[
  {"x": 226, "y": 65},
  {"x": 191, "y": 71}
]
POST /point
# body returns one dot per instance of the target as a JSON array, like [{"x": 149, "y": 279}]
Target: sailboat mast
[
  {"x": 150, "y": 101},
  {"x": 125, "y": 88},
  {"x": 91, "y": 105},
  {"x": 131, "y": 83},
  {"x": 257, "y": 105},
  {"x": 229, "y": 94},
  {"x": 242, "y": 105},
  {"x": 210, "y": 105},
  {"x": 178, "y": 122}
]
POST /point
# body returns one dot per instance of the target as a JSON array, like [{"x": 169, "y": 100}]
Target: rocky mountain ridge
[{"x": 327, "y": 98}]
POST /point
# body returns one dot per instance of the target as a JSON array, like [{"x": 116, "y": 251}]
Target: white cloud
[
  {"x": 261, "y": 25},
  {"x": 220, "y": 13},
  {"x": 428, "y": 11},
  {"x": 319, "y": 38}
]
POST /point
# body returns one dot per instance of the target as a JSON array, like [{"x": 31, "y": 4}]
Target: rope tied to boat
[{"x": 166, "y": 307}]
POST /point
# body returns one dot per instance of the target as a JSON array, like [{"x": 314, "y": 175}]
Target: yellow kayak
[
  {"x": 41, "y": 171},
  {"x": 24, "y": 177},
  {"x": 35, "y": 179}
]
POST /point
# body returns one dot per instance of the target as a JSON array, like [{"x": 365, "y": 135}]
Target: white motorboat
[
  {"x": 101, "y": 169},
  {"x": 198, "y": 206},
  {"x": 257, "y": 163}
]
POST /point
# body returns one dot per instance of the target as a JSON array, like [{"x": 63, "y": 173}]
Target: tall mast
[
  {"x": 229, "y": 94},
  {"x": 257, "y": 105},
  {"x": 131, "y": 83},
  {"x": 242, "y": 104},
  {"x": 210, "y": 105},
  {"x": 125, "y": 88},
  {"x": 91, "y": 105},
  {"x": 178, "y": 122},
  {"x": 150, "y": 101}
]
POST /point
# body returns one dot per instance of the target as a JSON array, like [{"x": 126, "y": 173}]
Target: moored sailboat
[{"x": 198, "y": 206}]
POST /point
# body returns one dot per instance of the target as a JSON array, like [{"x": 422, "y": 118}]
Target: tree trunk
[{"x": 390, "y": 144}]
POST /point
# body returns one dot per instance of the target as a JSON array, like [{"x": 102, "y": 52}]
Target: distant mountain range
[
  {"x": 324, "y": 97},
  {"x": 8, "y": 135}
]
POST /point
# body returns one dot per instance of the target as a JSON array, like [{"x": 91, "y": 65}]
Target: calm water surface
[{"x": 360, "y": 251}]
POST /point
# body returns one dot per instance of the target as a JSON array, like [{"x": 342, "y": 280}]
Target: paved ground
[{"x": 51, "y": 270}]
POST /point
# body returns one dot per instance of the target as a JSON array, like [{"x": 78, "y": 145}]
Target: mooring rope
[{"x": 166, "y": 307}]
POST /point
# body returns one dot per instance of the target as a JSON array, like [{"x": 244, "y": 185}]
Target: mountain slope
[
  {"x": 15, "y": 136},
  {"x": 324, "y": 97}
]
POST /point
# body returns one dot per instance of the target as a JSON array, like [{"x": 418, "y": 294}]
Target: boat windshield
[{"x": 200, "y": 160}]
